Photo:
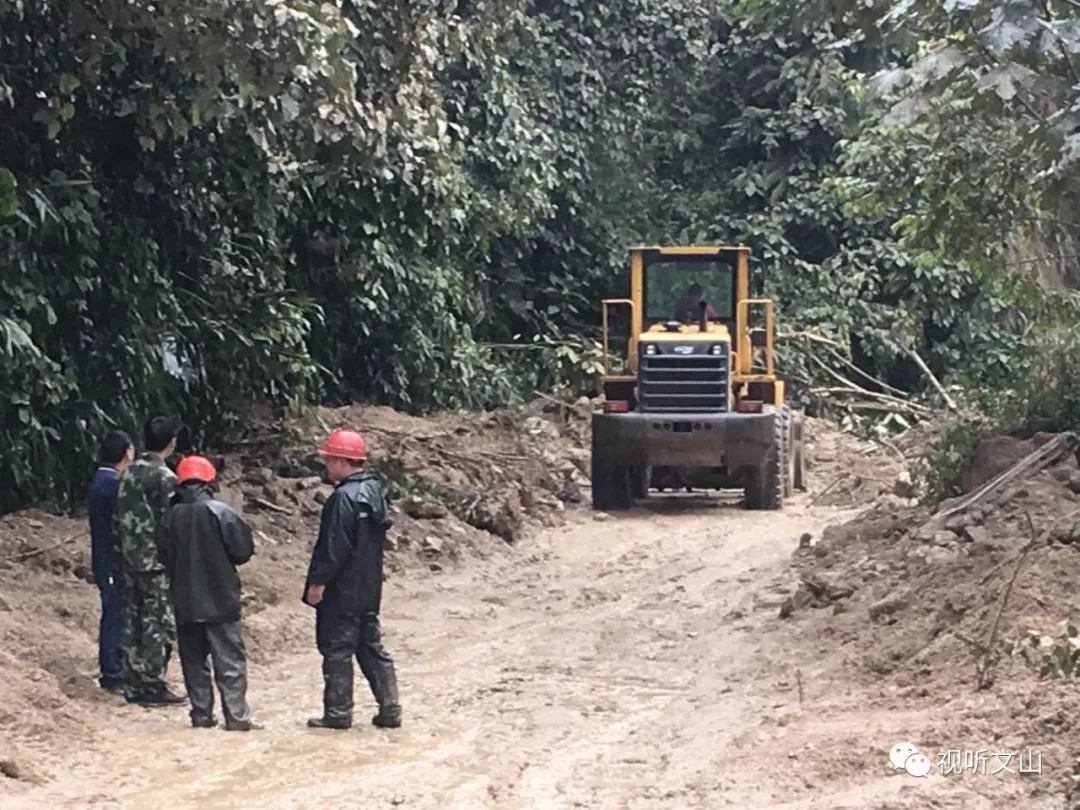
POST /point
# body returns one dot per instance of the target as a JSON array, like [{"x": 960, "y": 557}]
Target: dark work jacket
[
  {"x": 348, "y": 554},
  {"x": 101, "y": 504},
  {"x": 201, "y": 542}
]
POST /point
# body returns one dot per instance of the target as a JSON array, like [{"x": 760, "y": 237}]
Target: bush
[{"x": 1043, "y": 394}]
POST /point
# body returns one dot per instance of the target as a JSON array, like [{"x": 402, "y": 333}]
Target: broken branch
[
  {"x": 864, "y": 375},
  {"x": 829, "y": 488},
  {"x": 900, "y": 404},
  {"x": 990, "y": 656},
  {"x": 984, "y": 669},
  {"x": 1041, "y": 458},
  {"x": 26, "y": 555},
  {"x": 811, "y": 337},
  {"x": 933, "y": 380},
  {"x": 273, "y": 507}
]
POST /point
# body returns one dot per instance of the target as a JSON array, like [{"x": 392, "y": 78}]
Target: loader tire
[
  {"x": 611, "y": 484},
  {"x": 799, "y": 451},
  {"x": 789, "y": 453},
  {"x": 765, "y": 489}
]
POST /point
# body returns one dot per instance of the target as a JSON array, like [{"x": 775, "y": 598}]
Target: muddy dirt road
[{"x": 634, "y": 662}]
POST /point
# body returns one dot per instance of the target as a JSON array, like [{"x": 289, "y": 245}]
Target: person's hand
[{"x": 315, "y": 594}]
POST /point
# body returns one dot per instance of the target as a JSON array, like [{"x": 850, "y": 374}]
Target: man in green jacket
[{"x": 145, "y": 489}]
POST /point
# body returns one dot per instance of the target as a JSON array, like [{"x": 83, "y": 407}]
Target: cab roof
[{"x": 690, "y": 250}]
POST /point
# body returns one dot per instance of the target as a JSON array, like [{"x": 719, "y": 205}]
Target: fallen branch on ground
[
  {"x": 865, "y": 376},
  {"x": 273, "y": 507},
  {"x": 988, "y": 655},
  {"x": 898, "y": 405},
  {"x": 829, "y": 488},
  {"x": 933, "y": 380},
  {"x": 887, "y": 444},
  {"x": 992, "y": 492},
  {"x": 984, "y": 669},
  {"x": 832, "y": 346},
  {"x": 844, "y": 381},
  {"x": 26, "y": 555},
  {"x": 840, "y": 478},
  {"x": 554, "y": 400}
]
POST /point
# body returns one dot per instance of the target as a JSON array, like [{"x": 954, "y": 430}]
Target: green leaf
[
  {"x": 9, "y": 200},
  {"x": 69, "y": 83}
]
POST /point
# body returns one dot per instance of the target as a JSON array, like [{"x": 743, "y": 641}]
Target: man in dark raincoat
[
  {"x": 202, "y": 542},
  {"x": 344, "y": 585}
]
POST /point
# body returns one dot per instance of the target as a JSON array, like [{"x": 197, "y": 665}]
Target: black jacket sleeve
[
  {"x": 334, "y": 546},
  {"x": 236, "y": 535}
]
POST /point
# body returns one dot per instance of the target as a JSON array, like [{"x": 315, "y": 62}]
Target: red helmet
[
  {"x": 197, "y": 467},
  {"x": 345, "y": 444}
]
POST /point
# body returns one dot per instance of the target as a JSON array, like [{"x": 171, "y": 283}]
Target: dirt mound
[
  {"x": 991, "y": 458},
  {"x": 845, "y": 471},
  {"x": 933, "y": 602},
  {"x": 449, "y": 474}
]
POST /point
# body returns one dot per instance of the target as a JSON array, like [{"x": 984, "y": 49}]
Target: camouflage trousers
[{"x": 149, "y": 633}]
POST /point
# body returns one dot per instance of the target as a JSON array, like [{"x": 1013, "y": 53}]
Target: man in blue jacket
[{"x": 116, "y": 452}]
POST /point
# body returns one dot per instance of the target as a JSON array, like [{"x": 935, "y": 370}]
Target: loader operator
[
  {"x": 687, "y": 308},
  {"x": 344, "y": 585}
]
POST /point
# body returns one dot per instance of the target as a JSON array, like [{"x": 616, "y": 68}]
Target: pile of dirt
[
  {"x": 930, "y": 603},
  {"x": 455, "y": 477},
  {"x": 845, "y": 471}
]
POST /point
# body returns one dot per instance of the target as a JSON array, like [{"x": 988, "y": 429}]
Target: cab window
[{"x": 674, "y": 285}]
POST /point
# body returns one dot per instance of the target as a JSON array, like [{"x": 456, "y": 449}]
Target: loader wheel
[
  {"x": 765, "y": 489},
  {"x": 798, "y": 444},
  {"x": 640, "y": 480},
  {"x": 611, "y": 485},
  {"x": 789, "y": 454}
]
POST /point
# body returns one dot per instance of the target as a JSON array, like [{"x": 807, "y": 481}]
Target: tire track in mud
[{"x": 624, "y": 668}]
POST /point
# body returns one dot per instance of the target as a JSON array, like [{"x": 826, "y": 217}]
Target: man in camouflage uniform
[{"x": 145, "y": 489}]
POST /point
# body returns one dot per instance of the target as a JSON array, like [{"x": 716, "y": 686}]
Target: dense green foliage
[{"x": 208, "y": 204}]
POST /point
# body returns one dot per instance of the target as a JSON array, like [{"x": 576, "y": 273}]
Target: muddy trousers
[
  {"x": 223, "y": 644},
  {"x": 340, "y": 637},
  {"x": 149, "y": 633}
]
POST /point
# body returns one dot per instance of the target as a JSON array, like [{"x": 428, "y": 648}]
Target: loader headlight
[
  {"x": 650, "y": 348},
  {"x": 716, "y": 348}
]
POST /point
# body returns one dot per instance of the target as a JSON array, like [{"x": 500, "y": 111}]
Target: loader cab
[
  {"x": 660, "y": 307},
  {"x": 675, "y": 286}
]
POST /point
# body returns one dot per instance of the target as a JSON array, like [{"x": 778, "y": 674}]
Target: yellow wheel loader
[{"x": 696, "y": 403}]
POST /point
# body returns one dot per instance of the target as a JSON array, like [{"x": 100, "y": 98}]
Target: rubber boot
[
  {"x": 337, "y": 696},
  {"x": 244, "y": 725},
  {"x": 386, "y": 693},
  {"x": 162, "y": 696},
  {"x": 322, "y": 722}
]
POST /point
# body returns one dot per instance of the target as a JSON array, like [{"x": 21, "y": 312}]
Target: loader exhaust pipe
[{"x": 703, "y": 321}]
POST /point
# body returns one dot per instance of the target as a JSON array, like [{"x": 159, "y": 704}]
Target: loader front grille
[{"x": 683, "y": 378}]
